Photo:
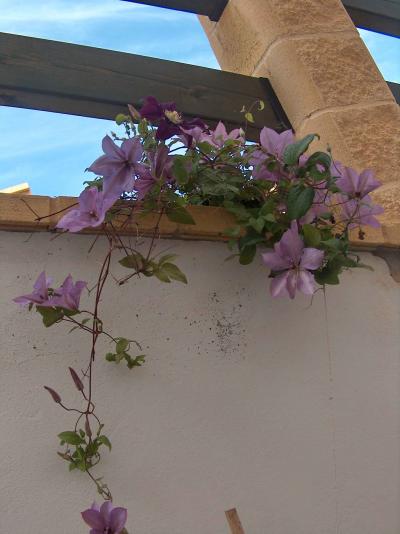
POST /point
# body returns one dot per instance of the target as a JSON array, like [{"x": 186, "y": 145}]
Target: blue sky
[{"x": 51, "y": 151}]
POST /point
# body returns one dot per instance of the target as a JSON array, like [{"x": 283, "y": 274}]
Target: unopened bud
[
  {"x": 134, "y": 113},
  {"x": 77, "y": 381},
  {"x": 88, "y": 430},
  {"x": 54, "y": 394}
]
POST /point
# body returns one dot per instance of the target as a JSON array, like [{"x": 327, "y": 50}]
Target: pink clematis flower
[
  {"x": 69, "y": 294},
  {"x": 93, "y": 206},
  {"x": 40, "y": 294},
  {"x": 360, "y": 211},
  {"x": 357, "y": 185},
  {"x": 160, "y": 168},
  {"x": 272, "y": 144},
  {"x": 219, "y": 136},
  {"x": 296, "y": 262},
  {"x": 117, "y": 165},
  {"x": 105, "y": 519}
]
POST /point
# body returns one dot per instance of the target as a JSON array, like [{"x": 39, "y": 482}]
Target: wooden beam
[
  {"x": 20, "y": 213},
  {"x": 81, "y": 80},
  {"x": 234, "y": 522},
  {"x": 395, "y": 88},
  {"x": 211, "y": 8},
  {"x": 381, "y": 16}
]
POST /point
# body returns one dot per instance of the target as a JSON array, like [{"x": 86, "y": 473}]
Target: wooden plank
[
  {"x": 381, "y": 16},
  {"x": 234, "y": 521},
  {"x": 211, "y": 8},
  {"x": 19, "y": 213},
  {"x": 377, "y": 15},
  {"x": 81, "y": 80}
]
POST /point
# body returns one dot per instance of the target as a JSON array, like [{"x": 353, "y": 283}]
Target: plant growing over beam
[{"x": 295, "y": 205}]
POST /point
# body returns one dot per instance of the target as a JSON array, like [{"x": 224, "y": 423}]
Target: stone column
[{"x": 325, "y": 79}]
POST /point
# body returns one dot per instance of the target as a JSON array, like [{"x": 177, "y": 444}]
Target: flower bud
[
  {"x": 77, "y": 381},
  {"x": 88, "y": 430},
  {"x": 56, "y": 397},
  {"x": 134, "y": 113}
]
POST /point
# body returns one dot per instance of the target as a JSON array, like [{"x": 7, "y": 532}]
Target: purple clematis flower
[
  {"x": 360, "y": 211},
  {"x": 68, "y": 295},
  {"x": 357, "y": 185},
  {"x": 272, "y": 144},
  {"x": 105, "y": 519},
  {"x": 93, "y": 205},
  {"x": 219, "y": 136},
  {"x": 160, "y": 168},
  {"x": 170, "y": 122},
  {"x": 117, "y": 165},
  {"x": 294, "y": 262},
  {"x": 40, "y": 294}
]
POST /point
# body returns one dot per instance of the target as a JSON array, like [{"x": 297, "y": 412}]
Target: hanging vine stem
[{"x": 90, "y": 456}]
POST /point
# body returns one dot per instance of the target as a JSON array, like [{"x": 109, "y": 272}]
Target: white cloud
[{"x": 62, "y": 12}]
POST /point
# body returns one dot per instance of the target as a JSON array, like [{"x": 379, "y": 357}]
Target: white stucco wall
[{"x": 244, "y": 401}]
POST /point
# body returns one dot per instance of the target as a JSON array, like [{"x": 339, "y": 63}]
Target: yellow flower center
[{"x": 173, "y": 116}]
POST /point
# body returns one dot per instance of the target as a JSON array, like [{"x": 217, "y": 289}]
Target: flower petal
[
  {"x": 291, "y": 245},
  {"x": 291, "y": 283},
  {"x": 306, "y": 282},
  {"x": 105, "y": 511},
  {"x": 110, "y": 148},
  {"x": 93, "y": 519},
  {"x": 132, "y": 149},
  {"x": 118, "y": 519},
  {"x": 275, "y": 262},
  {"x": 278, "y": 285},
  {"x": 312, "y": 258}
]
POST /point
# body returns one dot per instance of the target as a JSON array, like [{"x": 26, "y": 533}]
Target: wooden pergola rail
[
  {"x": 91, "y": 82},
  {"x": 377, "y": 15}
]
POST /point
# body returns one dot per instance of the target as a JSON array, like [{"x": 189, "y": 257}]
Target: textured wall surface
[{"x": 244, "y": 401}]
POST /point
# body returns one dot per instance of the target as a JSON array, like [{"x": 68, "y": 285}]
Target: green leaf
[
  {"x": 119, "y": 357},
  {"x": 167, "y": 258},
  {"x": 161, "y": 275},
  {"x": 110, "y": 357},
  {"x": 312, "y": 236},
  {"x": 233, "y": 232},
  {"x": 179, "y": 214},
  {"x": 261, "y": 105},
  {"x": 50, "y": 315},
  {"x": 293, "y": 152},
  {"x": 136, "y": 362},
  {"x": 132, "y": 261},
  {"x": 270, "y": 217},
  {"x": 105, "y": 441},
  {"x": 333, "y": 244},
  {"x": 257, "y": 224},
  {"x": 320, "y": 157},
  {"x": 267, "y": 208},
  {"x": 249, "y": 117},
  {"x": 247, "y": 254},
  {"x": 179, "y": 169},
  {"x": 121, "y": 345},
  {"x": 299, "y": 202},
  {"x": 174, "y": 272},
  {"x": 70, "y": 437},
  {"x": 121, "y": 118}
]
